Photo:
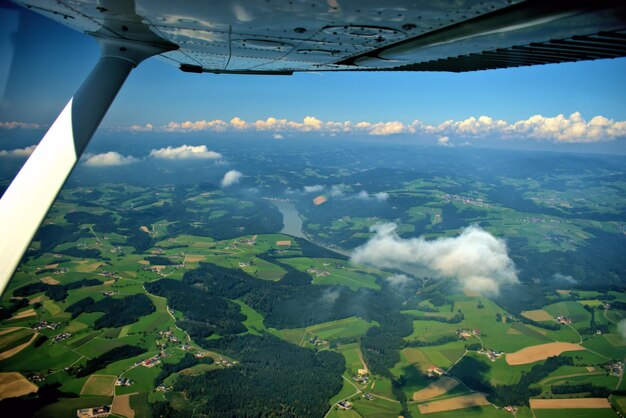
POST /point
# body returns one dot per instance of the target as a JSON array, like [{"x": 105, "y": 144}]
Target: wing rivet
[
  {"x": 125, "y": 28},
  {"x": 299, "y": 30}
]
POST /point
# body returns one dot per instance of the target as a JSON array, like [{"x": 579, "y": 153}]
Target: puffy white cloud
[
  {"x": 444, "y": 141},
  {"x": 18, "y": 152},
  {"x": 475, "y": 259},
  {"x": 230, "y": 178},
  {"x": 108, "y": 159},
  {"x": 364, "y": 195},
  {"x": 148, "y": 127},
  {"x": 560, "y": 128},
  {"x": 185, "y": 152},
  {"x": 399, "y": 280},
  {"x": 19, "y": 125},
  {"x": 313, "y": 189},
  {"x": 338, "y": 190},
  {"x": 564, "y": 279},
  {"x": 387, "y": 128},
  {"x": 278, "y": 136}
]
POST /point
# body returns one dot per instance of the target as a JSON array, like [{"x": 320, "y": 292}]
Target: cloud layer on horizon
[
  {"x": 564, "y": 129},
  {"x": 476, "y": 259},
  {"x": 18, "y": 152}
]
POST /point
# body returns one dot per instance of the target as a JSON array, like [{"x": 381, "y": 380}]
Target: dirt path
[
  {"x": 454, "y": 364},
  {"x": 347, "y": 397}
]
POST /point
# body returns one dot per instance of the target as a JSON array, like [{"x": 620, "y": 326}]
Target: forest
[
  {"x": 117, "y": 312},
  {"x": 273, "y": 378}
]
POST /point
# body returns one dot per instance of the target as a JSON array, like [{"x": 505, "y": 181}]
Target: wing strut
[{"x": 27, "y": 200}]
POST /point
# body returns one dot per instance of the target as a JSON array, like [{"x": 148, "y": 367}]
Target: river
[{"x": 292, "y": 223}]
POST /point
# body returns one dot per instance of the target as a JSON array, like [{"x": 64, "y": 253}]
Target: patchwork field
[
  {"x": 121, "y": 406},
  {"x": 459, "y": 402},
  {"x": 438, "y": 388},
  {"x": 538, "y": 315},
  {"x": 577, "y": 403},
  {"x": 15, "y": 384},
  {"x": 540, "y": 352},
  {"x": 99, "y": 384}
]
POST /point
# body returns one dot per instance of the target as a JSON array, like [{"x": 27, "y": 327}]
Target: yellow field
[
  {"x": 417, "y": 358},
  {"x": 7, "y": 330},
  {"x": 195, "y": 258},
  {"x": 538, "y": 315},
  {"x": 459, "y": 402},
  {"x": 539, "y": 352},
  {"x": 24, "y": 314},
  {"x": 87, "y": 268},
  {"x": 513, "y": 331},
  {"x": 49, "y": 280},
  {"x": 433, "y": 390},
  {"x": 99, "y": 384},
  {"x": 14, "y": 384},
  {"x": 121, "y": 406},
  {"x": 10, "y": 353},
  {"x": 144, "y": 229},
  {"x": 578, "y": 403}
]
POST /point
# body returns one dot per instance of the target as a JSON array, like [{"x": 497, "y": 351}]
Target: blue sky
[{"x": 43, "y": 63}]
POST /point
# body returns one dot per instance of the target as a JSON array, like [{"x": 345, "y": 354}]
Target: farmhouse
[
  {"x": 46, "y": 325},
  {"x": 62, "y": 336},
  {"x": 562, "y": 319},
  {"x": 123, "y": 381},
  {"x": 344, "y": 405},
  {"x": 96, "y": 411},
  {"x": 436, "y": 371}
]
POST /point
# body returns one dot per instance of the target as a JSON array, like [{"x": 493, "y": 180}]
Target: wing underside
[{"x": 284, "y": 36}]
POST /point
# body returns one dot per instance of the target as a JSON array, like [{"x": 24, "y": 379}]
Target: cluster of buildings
[
  {"x": 511, "y": 409},
  {"x": 362, "y": 377},
  {"x": 317, "y": 342},
  {"x": 345, "y": 405},
  {"x": 109, "y": 293},
  {"x": 562, "y": 319},
  {"x": 318, "y": 273},
  {"x": 62, "y": 336},
  {"x": 467, "y": 333},
  {"x": 616, "y": 369},
  {"x": 152, "y": 361},
  {"x": 96, "y": 411},
  {"x": 123, "y": 381},
  {"x": 368, "y": 396},
  {"x": 435, "y": 371},
  {"x": 492, "y": 355},
  {"x": 466, "y": 200},
  {"x": 163, "y": 388},
  {"x": 224, "y": 362},
  {"x": 41, "y": 325}
]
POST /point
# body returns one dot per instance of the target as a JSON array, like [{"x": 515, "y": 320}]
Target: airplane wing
[{"x": 283, "y": 37}]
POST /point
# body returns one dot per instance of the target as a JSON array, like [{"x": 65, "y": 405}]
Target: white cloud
[
  {"x": 475, "y": 259},
  {"x": 387, "y": 128},
  {"x": 19, "y": 125},
  {"x": 338, "y": 190},
  {"x": 399, "y": 280},
  {"x": 560, "y": 128},
  {"x": 444, "y": 141},
  {"x": 364, "y": 195},
  {"x": 18, "y": 152},
  {"x": 148, "y": 127},
  {"x": 278, "y": 136},
  {"x": 562, "y": 278},
  {"x": 230, "y": 178},
  {"x": 107, "y": 159},
  {"x": 313, "y": 189},
  {"x": 185, "y": 152}
]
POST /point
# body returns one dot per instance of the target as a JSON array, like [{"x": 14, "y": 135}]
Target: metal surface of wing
[{"x": 284, "y": 36}]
